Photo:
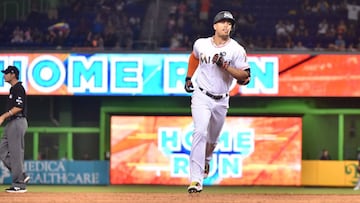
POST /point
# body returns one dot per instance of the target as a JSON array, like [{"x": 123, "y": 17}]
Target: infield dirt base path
[{"x": 109, "y": 197}]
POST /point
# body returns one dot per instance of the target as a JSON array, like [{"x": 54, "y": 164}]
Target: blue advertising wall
[{"x": 62, "y": 172}]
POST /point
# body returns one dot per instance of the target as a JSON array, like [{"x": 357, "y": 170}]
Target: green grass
[{"x": 182, "y": 189}]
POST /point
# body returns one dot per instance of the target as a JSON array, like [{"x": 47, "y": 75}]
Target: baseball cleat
[
  {"x": 356, "y": 188},
  {"x": 27, "y": 179},
  {"x": 206, "y": 170},
  {"x": 16, "y": 190},
  {"x": 194, "y": 187}
]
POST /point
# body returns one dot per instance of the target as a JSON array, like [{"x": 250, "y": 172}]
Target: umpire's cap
[
  {"x": 224, "y": 15},
  {"x": 11, "y": 69}
]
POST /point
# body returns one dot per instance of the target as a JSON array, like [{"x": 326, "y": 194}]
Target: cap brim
[{"x": 3, "y": 71}]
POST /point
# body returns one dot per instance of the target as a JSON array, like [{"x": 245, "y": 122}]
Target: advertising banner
[
  {"x": 251, "y": 151},
  {"x": 161, "y": 74},
  {"x": 62, "y": 172},
  {"x": 321, "y": 173}
]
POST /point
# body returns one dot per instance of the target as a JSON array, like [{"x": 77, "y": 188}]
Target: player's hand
[
  {"x": 247, "y": 80},
  {"x": 189, "y": 87},
  {"x": 243, "y": 82},
  {"x": 220, "y": 62}
]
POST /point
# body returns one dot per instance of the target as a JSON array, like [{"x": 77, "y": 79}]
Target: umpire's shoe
[
  {"x": 16, "y": 190},
  {"x": 194, "y": 187},
  {"x": 26, "y": 179}
]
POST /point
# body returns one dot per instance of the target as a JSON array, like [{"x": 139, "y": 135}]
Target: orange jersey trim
[{"x": 192, "y": 65}]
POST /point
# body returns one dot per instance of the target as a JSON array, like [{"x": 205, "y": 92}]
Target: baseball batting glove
[
  {"x": 247, "y": 80},
  {"x": 188, "y": 85},
  {"x": 243, "y": 82},
  {"x": 219, "y": 61}
]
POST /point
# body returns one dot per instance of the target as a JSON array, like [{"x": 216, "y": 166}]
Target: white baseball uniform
[{"x": 210, "y": 100}]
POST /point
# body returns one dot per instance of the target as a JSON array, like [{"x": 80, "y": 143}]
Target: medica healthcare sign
[{"x": 160, "y": 74}]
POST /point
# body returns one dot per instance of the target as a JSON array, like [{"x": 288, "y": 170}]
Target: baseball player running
[
  {"x": 218, "y": 60},
  {"x": 357, "y": 186}
]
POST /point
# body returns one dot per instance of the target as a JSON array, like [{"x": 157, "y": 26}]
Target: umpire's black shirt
[{"x": 17, "y": 98}]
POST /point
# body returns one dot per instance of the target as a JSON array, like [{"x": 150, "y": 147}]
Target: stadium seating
[{"x": 125, "y": 24}]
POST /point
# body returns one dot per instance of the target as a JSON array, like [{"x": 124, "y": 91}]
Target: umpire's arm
[{"x": 9, "y": 113}]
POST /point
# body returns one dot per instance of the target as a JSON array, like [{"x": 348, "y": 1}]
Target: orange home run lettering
[{"x": 234, "y": 146}]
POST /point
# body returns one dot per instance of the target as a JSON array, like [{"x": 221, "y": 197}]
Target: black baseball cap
[
  {"x": 224, "y": 15},
  {"x": 11, "y": 69}
]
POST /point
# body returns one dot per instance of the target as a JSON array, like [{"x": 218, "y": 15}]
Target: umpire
[{"x": 12, "y": 141}]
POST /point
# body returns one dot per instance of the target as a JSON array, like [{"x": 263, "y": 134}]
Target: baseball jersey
[
  {"x": 209, "y": 76},
  {"x": 17, "y": 98}
]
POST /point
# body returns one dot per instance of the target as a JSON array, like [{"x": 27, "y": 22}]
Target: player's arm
[
  {"x": 192, "y": 66},
  {"x": 239, "y": 74},
  {"x": 241, "y": 71},
  {"x": 19, "y": 97},
  {"x": 9, "y": 113},
  {"x": 19, "y": 105},
  {"x": 14, "y": 110}
]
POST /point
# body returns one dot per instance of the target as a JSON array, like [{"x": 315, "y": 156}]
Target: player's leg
[
  {"x": 210, "y": 147},
  {"x": 17, "y": 130},
  {"x": 357, "y": 186},
  {"x": 216, "y": 123},
  {"x": 201, "y": 115},
  {"x": 4, "y": 149}
]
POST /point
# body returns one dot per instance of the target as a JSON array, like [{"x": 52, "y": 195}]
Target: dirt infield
[{"x": 109, "y": 197}]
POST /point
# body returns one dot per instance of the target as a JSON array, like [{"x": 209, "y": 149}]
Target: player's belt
[
  {"x": 16, "y": 116},
  {"x": 216, "y": 97}
]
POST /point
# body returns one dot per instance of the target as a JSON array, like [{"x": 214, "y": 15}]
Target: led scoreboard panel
[
  {"x": 251, "y": 151},
  {"x": 159, "y": 74}
]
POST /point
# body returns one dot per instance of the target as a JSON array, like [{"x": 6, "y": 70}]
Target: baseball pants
[
  {"x": 12, "y": 149},
  {"x": 208, "y": 117}
]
